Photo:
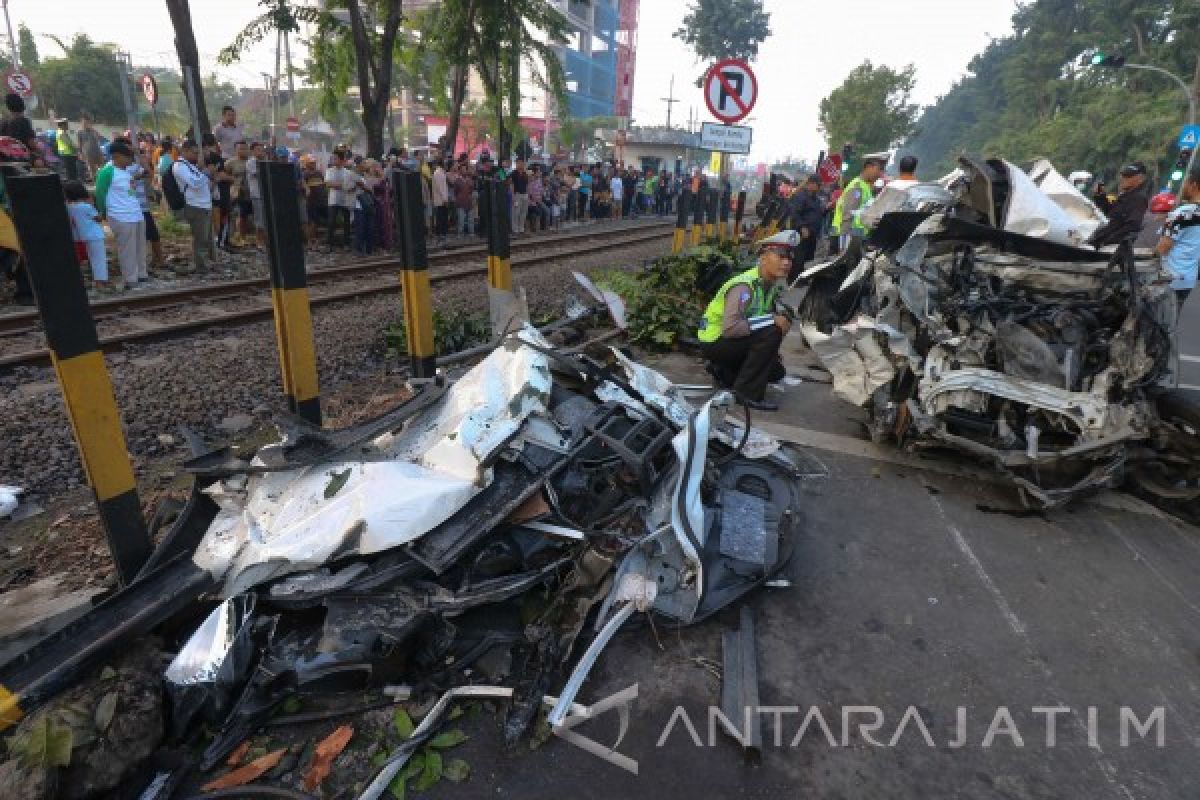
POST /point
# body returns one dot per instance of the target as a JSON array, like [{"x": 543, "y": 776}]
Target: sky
[{"x": 813, "y": 46}]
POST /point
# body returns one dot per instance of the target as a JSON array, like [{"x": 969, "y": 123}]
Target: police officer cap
[{"x": 784, "y": 240}]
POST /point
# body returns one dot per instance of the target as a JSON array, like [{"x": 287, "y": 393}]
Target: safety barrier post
[
  {"x": 44, "y": 230},
  {"x": 699, "y": 206},
  {"x": 712, "y": 200},
  {"x": 503, "y": 307},
  {"x": 738, "y": 215},
  {"x": 681, "y": 221},
  {"x": 289, "y": 290},
  {"x": 414, "y": 273},
  {"x": 723, "y": 220},
  {"x": 776, "y": 216}
]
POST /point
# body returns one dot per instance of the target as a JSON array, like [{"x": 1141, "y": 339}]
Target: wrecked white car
[
  {"x": 974, "y": 318},
  {"x": 488, "y": 534}
]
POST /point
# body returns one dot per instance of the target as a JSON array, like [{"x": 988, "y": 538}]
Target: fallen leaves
[
  {"x": 336, "y": 482},
  {"x": 327, "y": 750},
  {"x": 243, "y": 775}
]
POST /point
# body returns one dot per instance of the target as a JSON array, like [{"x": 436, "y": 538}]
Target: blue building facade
[{"x": 590, "y": 59}]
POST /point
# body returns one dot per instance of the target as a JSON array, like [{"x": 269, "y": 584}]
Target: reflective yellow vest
[
  {"x": 66, "y": 147},
  {"x": 762, "y": 301},
  {"x": 867, "y": 196}
]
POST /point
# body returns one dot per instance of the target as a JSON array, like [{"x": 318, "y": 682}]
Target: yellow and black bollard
[
  {"x": 738, "y": 215},
  {"x": 414, "y": 273},
  {"x": 723, "y": 223},
  {"x": 289, "y": 290},
  {"x": 712, "y": 199},
  {"x": 699, "y": 206},
  {"x": 681, "y": 221},
  {"x": 40, "y": 216},
  {"x": 503, "y": 308}
]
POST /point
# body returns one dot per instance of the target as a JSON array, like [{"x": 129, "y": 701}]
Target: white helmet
[{"x": 784, "y": 239}]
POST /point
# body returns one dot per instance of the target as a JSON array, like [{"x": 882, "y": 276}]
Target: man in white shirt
[
  {"x": 618, "y": 193},
  {"x": 441, "y": 202},
  {"x": 339, "y": 208},
  {"x": 908, "y": 173},
  {"x": 196, "y": 184},
  {"x": 228, "y": 133},
  {"x": 116, "y": 200},
  {"x": 257, "y": 153}
]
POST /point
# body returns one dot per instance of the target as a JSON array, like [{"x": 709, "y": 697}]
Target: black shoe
[{"x": 761, "y": 405}]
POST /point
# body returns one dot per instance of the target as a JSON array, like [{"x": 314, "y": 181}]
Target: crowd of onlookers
[{"x": 344, "y": 200}]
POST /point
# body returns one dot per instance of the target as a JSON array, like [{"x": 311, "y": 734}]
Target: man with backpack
[{"x": 188, "y": 189}]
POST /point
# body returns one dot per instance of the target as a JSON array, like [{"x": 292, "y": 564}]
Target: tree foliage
[
  {"x": 717, "y": 29},
  {"x": 499, "y": 40},
  {"x": 27, "y": 47},
  {"x": 356, "y": 44},
  {"x": 86, "y": 79},
  {"x": 871, "y": 109},
  {"x": 1027, "y": 95}
]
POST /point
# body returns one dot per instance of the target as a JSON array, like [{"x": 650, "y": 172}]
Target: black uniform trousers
[{"x": 747, "y": 364}]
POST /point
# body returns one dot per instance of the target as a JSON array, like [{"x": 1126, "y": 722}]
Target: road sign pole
[{"x": 16, "y": 53}]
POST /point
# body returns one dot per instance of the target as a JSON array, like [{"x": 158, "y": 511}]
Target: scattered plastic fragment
[
  {"x": 327, "y": 750},
  {"x": 250, "y": 772}
]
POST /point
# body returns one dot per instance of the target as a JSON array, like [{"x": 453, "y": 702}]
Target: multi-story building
[{"x": 598, "y": 59}]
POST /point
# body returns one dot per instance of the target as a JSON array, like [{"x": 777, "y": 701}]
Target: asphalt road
[
  {"x": 1189, "y": 344},
  {"x": 914, "y": 599}
]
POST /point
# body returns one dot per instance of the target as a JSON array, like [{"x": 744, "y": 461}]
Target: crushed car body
[
  {"x": 975, "y": 319},
  {"x": 495, "y": 529}
]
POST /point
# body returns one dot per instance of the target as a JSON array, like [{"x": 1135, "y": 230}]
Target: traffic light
[
  {"x": 1100, "y": 59},
  {"x": 1181, "y": 164}
]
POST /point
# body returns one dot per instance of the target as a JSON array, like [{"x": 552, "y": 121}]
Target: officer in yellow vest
[
  {"x": 856, "y": 197},
  {"x": 65, "y": 147},
  {"x": 741, "y": 331}
]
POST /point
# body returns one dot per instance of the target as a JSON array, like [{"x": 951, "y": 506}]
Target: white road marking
[
  {"x": 1006, "y": 611},
  {"x": 1106, "y": 767},
  {"x": 1191, "y": 387},
  {"x": 1193, "y": 359},
  {"x": 1138, "y": 556}
]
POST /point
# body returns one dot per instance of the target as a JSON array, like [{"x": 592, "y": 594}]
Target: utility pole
[
  {"x": 270, "y": 87},
  {"x": 125, "y": 66},
  {"x": 287, "y": 54},
  {"x": 670, "y": 101},
  {"x": 12, "y": 40},
  {"x": 275, "y": 89}
]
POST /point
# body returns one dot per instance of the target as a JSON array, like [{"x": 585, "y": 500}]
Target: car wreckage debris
[
  {"x": 482, "y": 531},
  {"x": 975, "y": 319},
  {"x": 739, "y": 687}
]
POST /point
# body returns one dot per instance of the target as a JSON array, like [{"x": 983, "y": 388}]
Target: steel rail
[
  {"x": 264, "y": 309},
  {"x": 28, "y": 321}
]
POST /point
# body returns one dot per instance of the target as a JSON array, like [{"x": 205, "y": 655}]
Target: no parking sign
[{"x": 730, "y": 90}]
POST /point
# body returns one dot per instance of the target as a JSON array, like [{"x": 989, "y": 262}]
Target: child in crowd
[{"x": 87, "y": 232}]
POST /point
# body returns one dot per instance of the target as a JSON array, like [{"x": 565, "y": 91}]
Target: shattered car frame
[
  {"x": 975, "y": 319},
  {"x": 503, "y": 526}
]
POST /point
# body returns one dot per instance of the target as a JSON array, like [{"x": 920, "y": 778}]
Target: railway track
[{"x": 211, "y": 305}]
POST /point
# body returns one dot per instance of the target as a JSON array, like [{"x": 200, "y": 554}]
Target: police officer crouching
[{"x": 741, "y": 331}]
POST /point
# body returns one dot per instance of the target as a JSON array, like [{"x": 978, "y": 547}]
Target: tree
[
  {"x": 1028, "y": 95},
  {"x": 871, "y": 109},
  {"x": 718, "y": 29},
  {"x": 446, "y": 33},
  {"x": 189, "y": 58},
  {"x": 498, "y": 39},
  {"x": 27, "y": 47},
  {"x": 86, "y": 79}
]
